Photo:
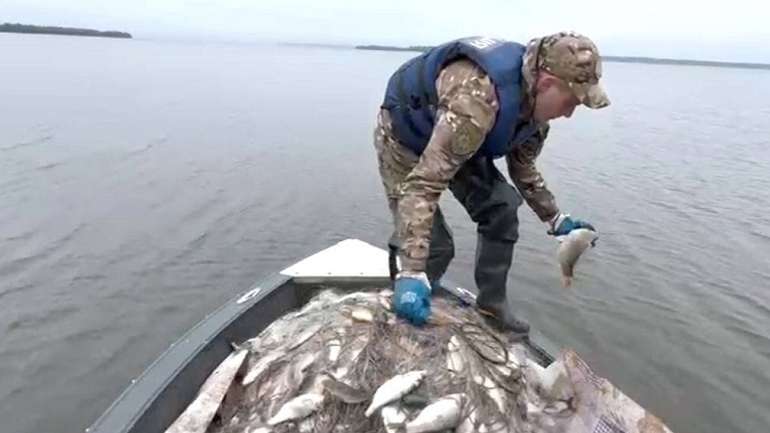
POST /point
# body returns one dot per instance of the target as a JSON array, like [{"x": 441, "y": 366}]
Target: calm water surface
[{"x": 144, "y": 183}]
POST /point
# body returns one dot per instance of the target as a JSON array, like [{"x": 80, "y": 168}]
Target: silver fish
[
  {"x": 362, "y": 314},
  {"x": 571, "y": 247},
  {"x": 309, "y": 333},
  {"x": 294, "y": 375},
  {"x": 359, "y": 298},
  {"x": 333, "y": 349},
  {"x": 343, "y": 391},
  {"x": 455, "y": 361},
  {"x": 297, "y": 408},
  {"x": 348, "y": 357},
  {"x": 198, "y": 415},
  {"x": 493, "y": 391},
  {"x": 440, "y": 415},
  {"x": 385, "y": 298},
  {"x": 395, "y": 388},
  {"x": 497, "y": 427},
  {"x": 287, "y": 381},
  {"x": 470, "y": 422},
  {"x": 261, "y": 366},
  {"x": 556, "y": 407},
  {"x": 394, "y": 417}
]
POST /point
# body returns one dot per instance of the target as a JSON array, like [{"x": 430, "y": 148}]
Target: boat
[{"x": 154, "y": 400}]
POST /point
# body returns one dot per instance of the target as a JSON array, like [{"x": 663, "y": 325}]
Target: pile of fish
[{"x": 345, "y": 363}]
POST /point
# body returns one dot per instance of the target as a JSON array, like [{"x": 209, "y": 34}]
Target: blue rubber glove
[
  {"x": 411, "y": 298},
  {"x": 563, "y": 224}
]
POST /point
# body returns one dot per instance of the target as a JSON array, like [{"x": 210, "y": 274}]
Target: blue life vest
[{"x": 411, "y": 96}]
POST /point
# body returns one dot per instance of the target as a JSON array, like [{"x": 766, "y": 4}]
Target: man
[{"x": 447, "y": 115}]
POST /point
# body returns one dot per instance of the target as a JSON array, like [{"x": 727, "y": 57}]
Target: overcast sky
[{"x": 735, "y": 30}]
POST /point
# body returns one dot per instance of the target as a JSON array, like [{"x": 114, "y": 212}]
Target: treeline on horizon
[
  {"x": 53, "y": 30},
  {"x": 623, "y": 59}
]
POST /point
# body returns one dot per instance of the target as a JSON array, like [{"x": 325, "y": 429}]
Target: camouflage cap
[{"x": 575, "y": 59}]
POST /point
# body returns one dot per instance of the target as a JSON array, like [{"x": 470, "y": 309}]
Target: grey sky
[{"x": 733, "y": 31}]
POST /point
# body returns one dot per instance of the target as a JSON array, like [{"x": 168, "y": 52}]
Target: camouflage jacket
[{"x": 466, "y": 113}]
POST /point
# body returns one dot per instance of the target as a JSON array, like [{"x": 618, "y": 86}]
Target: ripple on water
[{"x": 27, "y": 143}]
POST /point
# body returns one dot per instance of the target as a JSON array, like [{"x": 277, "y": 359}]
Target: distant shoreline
[
  {"x": 53, "y": 30},
  {"x": 619, "y": 59},
  {"x": 421, "y": 49}
]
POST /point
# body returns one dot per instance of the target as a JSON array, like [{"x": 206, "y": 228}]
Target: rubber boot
[
  {"x": 493, "y": 260},
  {"x": 442, "y": 251}
]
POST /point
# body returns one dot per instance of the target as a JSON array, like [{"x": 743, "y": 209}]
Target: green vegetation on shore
[
  {"x": 622, "y": 59},
  {"x": 50, "y": 30}
]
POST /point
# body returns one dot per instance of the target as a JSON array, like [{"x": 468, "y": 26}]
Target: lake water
[{"x": 144, "y": 183}]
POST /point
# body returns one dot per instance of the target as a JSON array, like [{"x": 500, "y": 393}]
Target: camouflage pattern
[
  {"x": 575, "y": 59},
  {"x": 527, "y": 178},
  {"x": 467, "y": 106},
  {"x": 413, "y": 184}
]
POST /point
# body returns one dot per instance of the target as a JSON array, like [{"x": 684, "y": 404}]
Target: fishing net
[
  {"x": 357, "y": 340},
  {"x": 340, "y": 348}
]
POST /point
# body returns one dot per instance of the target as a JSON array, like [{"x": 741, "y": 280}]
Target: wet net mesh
[{"x": 357, "y": 340}]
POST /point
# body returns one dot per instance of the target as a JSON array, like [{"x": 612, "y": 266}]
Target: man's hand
[
  {"x": 562, "y": 224},
  {"x": 411, "y": 297}
]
